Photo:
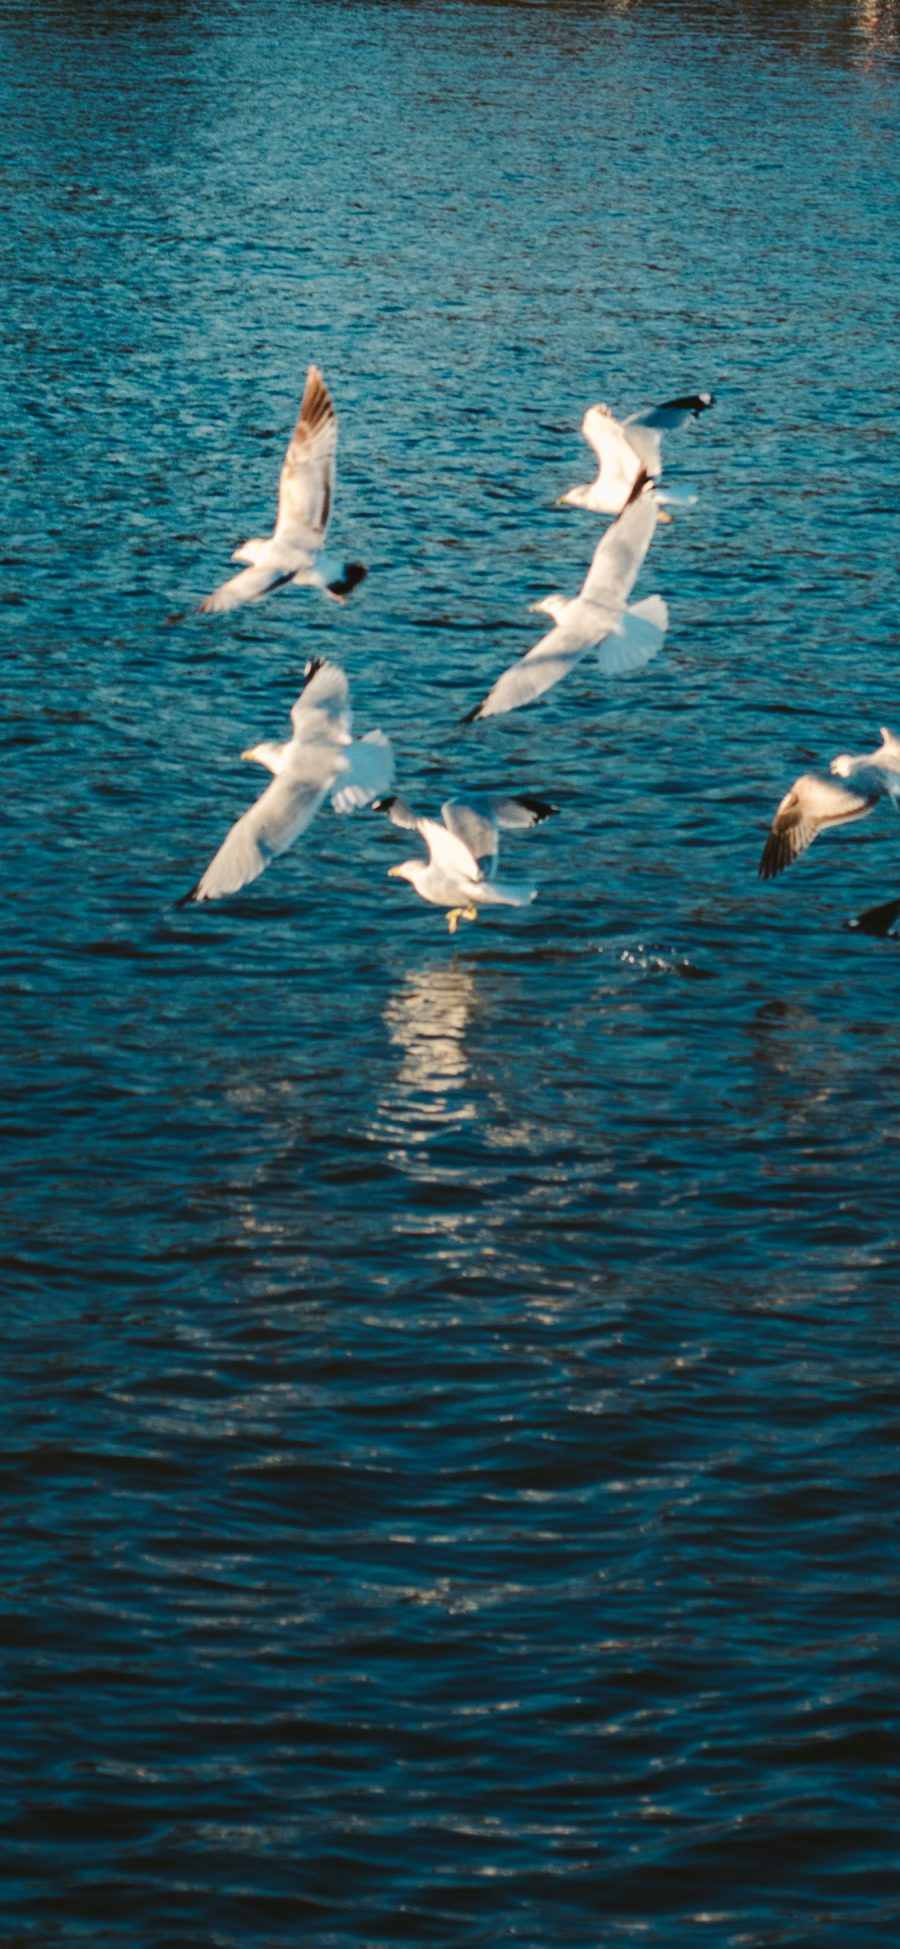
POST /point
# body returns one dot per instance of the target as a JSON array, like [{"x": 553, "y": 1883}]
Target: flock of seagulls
[{"x": 322, "y": 759}]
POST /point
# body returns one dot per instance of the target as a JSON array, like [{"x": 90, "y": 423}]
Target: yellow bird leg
[{"x": 456, "y": 914}]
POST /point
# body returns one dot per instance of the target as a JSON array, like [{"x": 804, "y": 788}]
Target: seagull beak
[
  {"x": 394, "y": 872},
  {"x": 248, "y": 754},
  {"x": 663, "y": 515}
]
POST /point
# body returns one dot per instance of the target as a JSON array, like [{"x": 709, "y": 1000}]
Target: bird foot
[{"x": 456, "y": 914}]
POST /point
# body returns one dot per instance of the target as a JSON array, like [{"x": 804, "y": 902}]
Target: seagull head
[
  {"x": 269, "y": 754},
  {"x": 411, "y": 870},
  {"x": 555, "y": 606}
]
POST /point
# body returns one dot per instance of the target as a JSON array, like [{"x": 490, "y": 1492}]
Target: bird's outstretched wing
[
  {"x": 812, "y": 804},
  {"x": 306, "y": 486},
  {"x": 882, "y": 921},
  {"x": 449, "y": 851},
  {"x": 323, "y": 703},
  {"x": 621, "y": 549},
  {"x": 636, "y": 638},
  {"x": 479, "y": 821},
  {"x": 285, "y": 809},
  {"x": 617, "y": 461},
  {"x": 311, "y": 764},
  {"x": 248, "y": 586},
  {"x": 368, "y": 772},
  {"x": 399, "y": 812},
  {"x": 536, "y": 672},
  {"x": 673, "y": 412}
]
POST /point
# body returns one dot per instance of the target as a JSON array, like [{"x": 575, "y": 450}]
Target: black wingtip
[
  {"x": 384, "y": 805},
  {"x": 352, "y": 574},
  {"x": 472, "y": 716},
  {"x": 313, "y": 663},
  {"x": 879, "y": 921},
  {"x": 186, "y": 898},
  {"x": 540, "y": 808},
  {"x": 643, "y": 480},
  {"x": 695, "y": 403},
  {"x": 775, "y": 857}
]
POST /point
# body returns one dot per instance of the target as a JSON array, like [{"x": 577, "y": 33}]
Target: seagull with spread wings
[
  {"x": 295, "y": 552},
  {"x": 814, "y": 802},
  {"x": 320, "y": 757},
  {"x": 625, "y": 448},
  {"x": 598, "y": 618},
  {"x": 460, "y": 872}
]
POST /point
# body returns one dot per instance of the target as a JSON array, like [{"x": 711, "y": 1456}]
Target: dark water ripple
[{"x": 450, "y": 1404}]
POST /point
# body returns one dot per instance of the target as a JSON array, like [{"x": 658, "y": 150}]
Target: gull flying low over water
[
  {"x": 295, "y": 551},
  {"x": 319, "y": 758},
  {"x": 624, "y": 448},
  {"x": 815, "y": 802},
  {"x": 597, "y": 618},
  {"x": 463, "y": 851}
]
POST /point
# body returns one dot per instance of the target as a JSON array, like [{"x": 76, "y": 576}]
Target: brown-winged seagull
[
  {"x": 815, "y": 802},
  {"x": 295, "y": 551}
]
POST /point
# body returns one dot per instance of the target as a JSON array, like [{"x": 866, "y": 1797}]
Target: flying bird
[
  {"x": 295, "y": 551},
  {"x": 626, "y": 447},
  {"x": 597, "y": 618},
  {"x": 815, "y": 802},
  {"x": 319, "y": 758},
  {"x": 463, "y": 852}
]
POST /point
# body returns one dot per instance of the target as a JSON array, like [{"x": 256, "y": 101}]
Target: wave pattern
[{"x": 450, "y": 1388}]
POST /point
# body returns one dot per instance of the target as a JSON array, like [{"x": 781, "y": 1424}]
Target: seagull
[
  {"x": 624, "y": 447},
  {"x": 294, "y": 552},
  {"x": 814, "y": 802},
  {"x": 463, "y": 849},
  {"x": 597, "y": 618},
  {"x": 319, "y": 757}
]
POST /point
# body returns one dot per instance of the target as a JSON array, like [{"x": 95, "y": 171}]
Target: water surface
[{"x": 450, "y": 1395}]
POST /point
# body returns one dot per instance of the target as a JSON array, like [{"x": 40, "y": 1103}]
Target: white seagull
[
  {"x": 295, "y": 551},
  {"x": 814, "y": 802},
  {"x": 597, "y": 618},
  {"x": 626, "y": 447},
  {"x": 319, "y": 757},
  {"x": 463, "y": 850}
]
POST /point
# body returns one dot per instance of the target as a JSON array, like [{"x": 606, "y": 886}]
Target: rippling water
[{"x": 451, "y": 1412}]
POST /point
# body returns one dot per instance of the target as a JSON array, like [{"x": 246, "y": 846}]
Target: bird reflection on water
[{"x": 427, "y": 1019}]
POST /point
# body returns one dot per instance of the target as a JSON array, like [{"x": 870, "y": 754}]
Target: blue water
[{"x": 450, "y": 1403}]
